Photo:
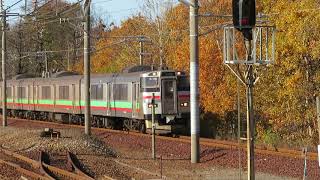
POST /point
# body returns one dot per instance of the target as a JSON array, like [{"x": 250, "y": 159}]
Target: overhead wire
[{"x": 12, "y": 5}]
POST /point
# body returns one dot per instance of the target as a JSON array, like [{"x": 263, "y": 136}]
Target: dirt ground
[{"x": 112, "y": 157}]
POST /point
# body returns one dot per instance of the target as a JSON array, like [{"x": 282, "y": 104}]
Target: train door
[
  {"x": 73, "y": 92},
  {"x": 13, "y": 96},
  {"x": 135, "y": 100},
  {"x": 169, "y": 96},
  {"x": 54, "y": 97},
  {"x": 0, "y": 96},
  {"x": 109, "y": 99},
  {"x": 33, "y": 96},
  {"x": 29, "y": 96}
]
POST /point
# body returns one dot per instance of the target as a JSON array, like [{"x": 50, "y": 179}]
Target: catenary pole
[
  {"x": 141, "y": 51},
  {"x": 194, "y": 82},
  {"x": 4, "y": 80},
  {"x": 318, "y": 116},
  {"x": 86, "y": 49}
]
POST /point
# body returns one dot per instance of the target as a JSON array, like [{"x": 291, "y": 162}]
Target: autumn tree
[{"x": 287, "y": 91}]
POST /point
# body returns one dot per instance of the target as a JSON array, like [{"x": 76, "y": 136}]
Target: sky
[
  {"x": 115, "y": 10},
  {"x": 109, "y": 10}
]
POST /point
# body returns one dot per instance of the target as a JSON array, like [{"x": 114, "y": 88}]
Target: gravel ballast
[{"x": 126, "y": 156}]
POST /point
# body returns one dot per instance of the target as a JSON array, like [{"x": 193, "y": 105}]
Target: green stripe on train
[{"x": 115, "y": 104}]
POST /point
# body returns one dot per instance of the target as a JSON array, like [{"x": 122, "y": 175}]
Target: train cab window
[
  {"x": 45, "y": 92},
  {"x": 149, "y": 82},
  {"x": 64, "y": 92},
  {"x": 183, "y": 83},
  {"x": 97, "y": 91},
  {"x": 9, "y": 92},
  {"x": 21, "y": 94}
]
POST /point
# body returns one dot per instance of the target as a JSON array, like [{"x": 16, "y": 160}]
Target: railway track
[
  {"x": 25, "y": 166},
  {"x": 282, "y": 152},
  {"x": 74, "y": 163},
  {"x": 56, "y": 173},
  {"x": 40, "y": 169}
]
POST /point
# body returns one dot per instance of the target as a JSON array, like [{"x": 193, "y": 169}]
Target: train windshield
[
  {"x": 183, "y": 83},
  {"x": 149, "y": 82}
]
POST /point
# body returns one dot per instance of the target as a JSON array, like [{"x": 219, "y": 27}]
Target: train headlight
[
  {"x": 154, "y": 105},
  {"x": 184, "y": 104}
]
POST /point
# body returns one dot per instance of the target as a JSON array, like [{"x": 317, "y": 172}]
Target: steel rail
[
  {"x": 260, "y": 149},
  {"x": 49, "y": 170},
  {"x": 32, "y": 162},
  {"x": 23, "y": 171},
  {"x": 73, "y": 160}
]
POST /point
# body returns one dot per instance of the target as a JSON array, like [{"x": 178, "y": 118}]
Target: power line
[{"x": 12, "y": 5}]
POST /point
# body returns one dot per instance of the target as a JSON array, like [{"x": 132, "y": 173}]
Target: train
[{"x": 118, "y": 100}]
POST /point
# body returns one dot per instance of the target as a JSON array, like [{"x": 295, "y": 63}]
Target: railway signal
[
  {"x": 257, "y": 52},
  {"x": 244, "y": 17},
  {"x": 244, "y": 14}
]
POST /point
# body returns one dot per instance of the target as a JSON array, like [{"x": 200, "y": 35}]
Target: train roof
[{"x": 127, "y": 75}]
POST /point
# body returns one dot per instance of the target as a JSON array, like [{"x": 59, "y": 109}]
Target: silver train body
[{"x": 119, "y": 101}]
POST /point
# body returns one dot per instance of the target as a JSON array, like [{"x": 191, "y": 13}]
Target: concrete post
[
  {"x": 87, "y": 115},
  {"x": 318, "y": 115},
  {"x": 141, "y": 51},
  {"x": 194, "y": 82},
  {"x": 4, "y": 79}
]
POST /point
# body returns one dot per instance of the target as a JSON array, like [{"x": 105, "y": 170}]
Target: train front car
[{"x": 171, "y": 95}]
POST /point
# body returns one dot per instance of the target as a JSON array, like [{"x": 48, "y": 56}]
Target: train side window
[
  {"x": 120, "y": 92},
  {"x": 97, "y": 91},
  {"x": 21, "y": 94},
  {"x": 9, "y": 92},
  {"x": 45, "y": 92},
  {"x": 64, "y": 92}
]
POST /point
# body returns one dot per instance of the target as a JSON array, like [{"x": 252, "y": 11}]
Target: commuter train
[{"x": 118, "y": 101}]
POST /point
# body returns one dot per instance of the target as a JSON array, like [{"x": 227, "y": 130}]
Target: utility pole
[
  {"x": 318, "y": 116},
  {"x": 68, "y": 58},
  {"x": 86, "y": 49},
  {"x": 46, "y": 64},
  {"x": 4, "y": 80},
  {"x": 141, "y": 51},
  {"x": 194, "y": 82},
  {"x": 194, "y": 79}
]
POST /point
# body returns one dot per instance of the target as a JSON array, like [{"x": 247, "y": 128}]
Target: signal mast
[{"x": 257, "y": 41}]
